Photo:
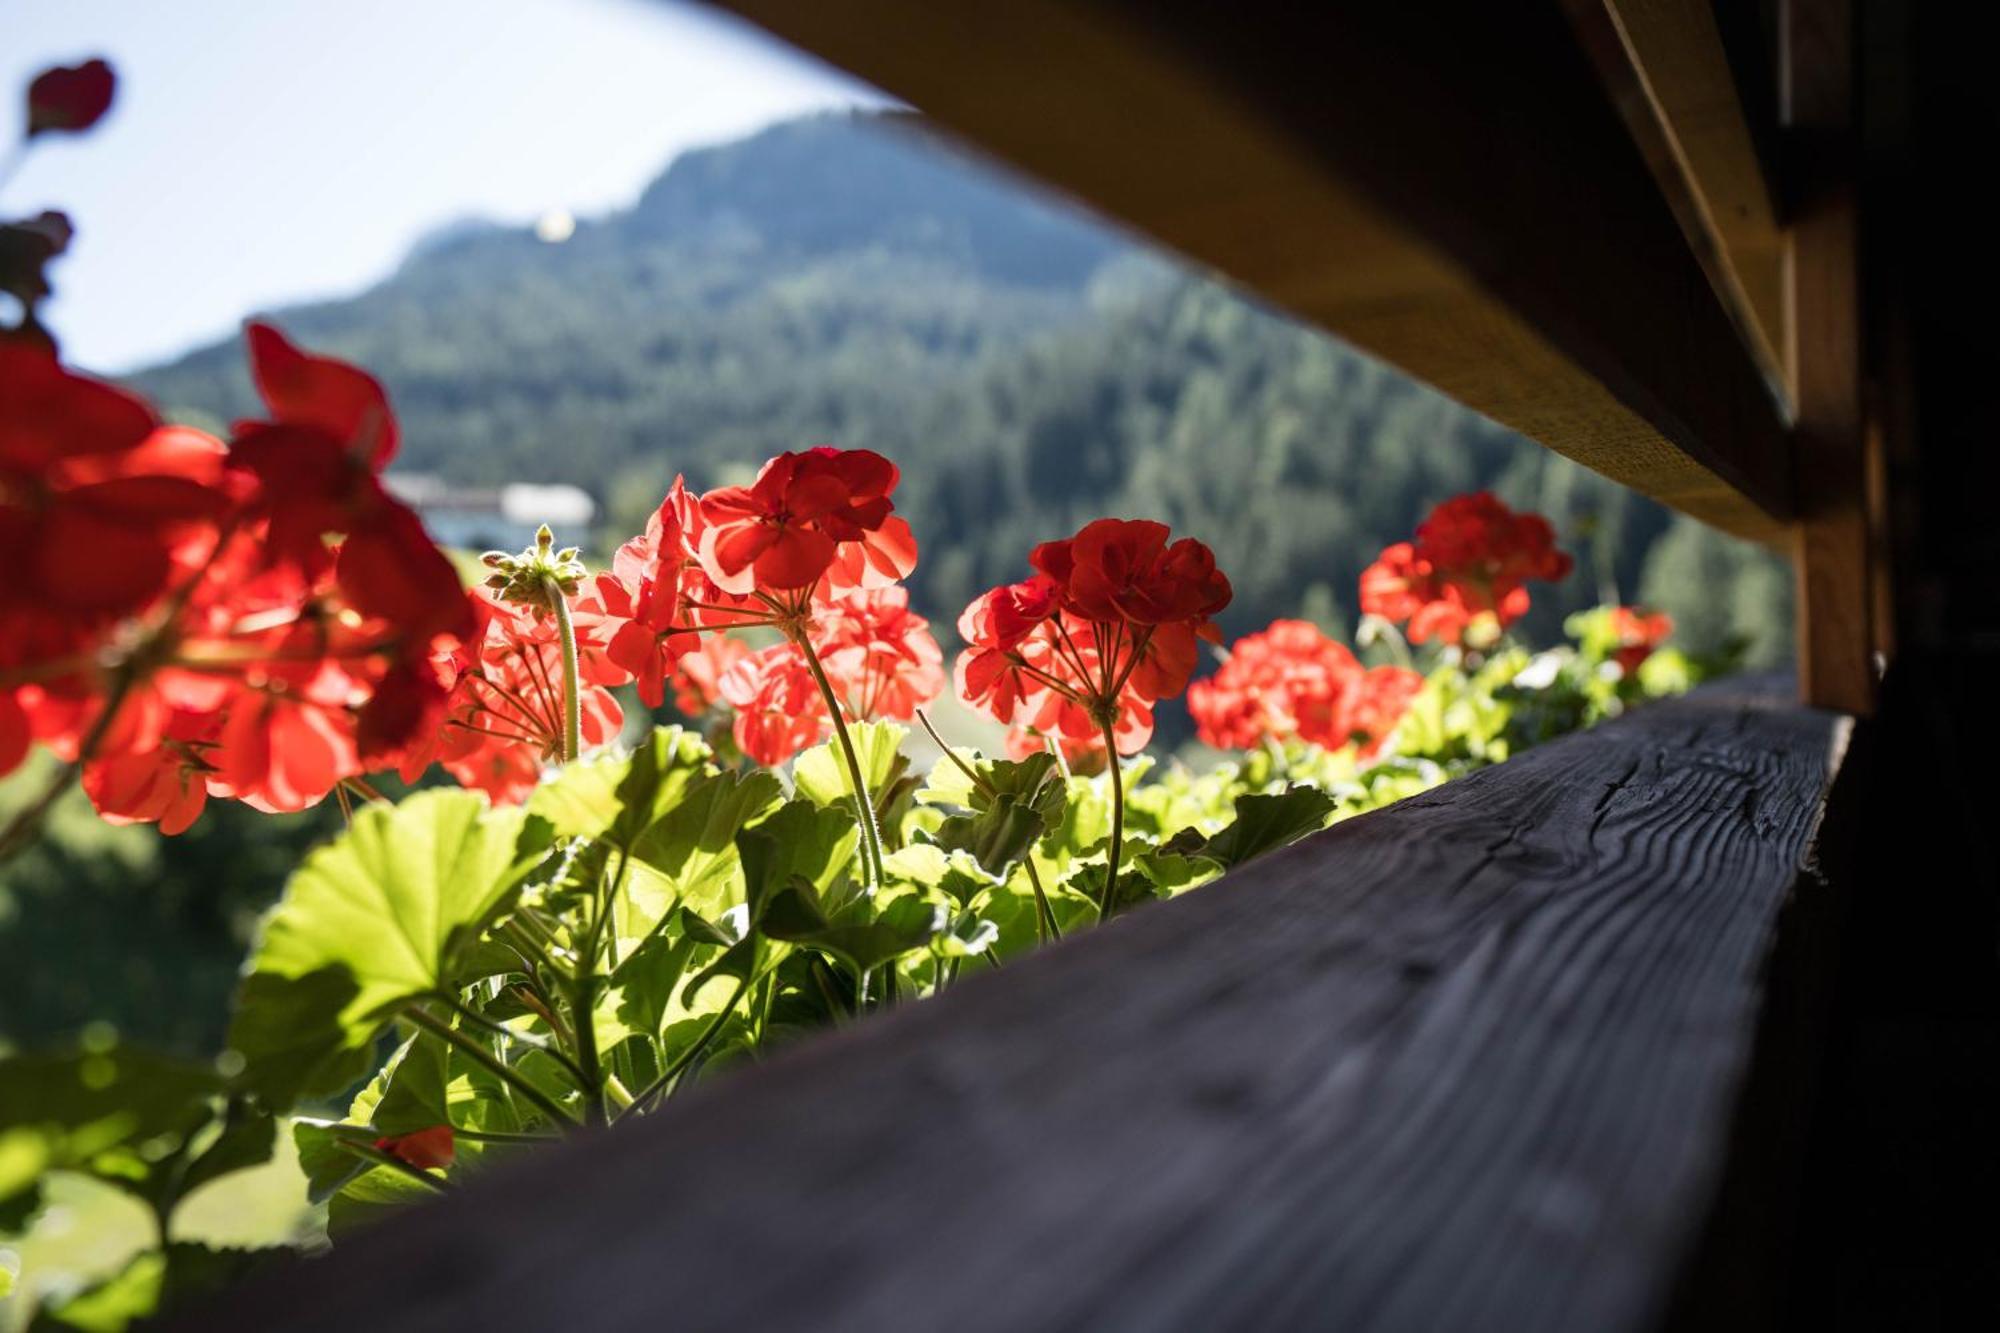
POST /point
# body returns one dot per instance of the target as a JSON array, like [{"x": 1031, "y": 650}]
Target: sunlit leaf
[
  {"x": 820, "y": 773},
  {"x": 390, "y": 907},
  {"x": 693, "y": 843}
]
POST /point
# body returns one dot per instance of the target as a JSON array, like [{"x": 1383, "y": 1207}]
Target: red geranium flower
[
  {"x": 879, "y": 654},
  {"x": 70, "y": 97},
  {"x": 426, "y": 1149},
  {"x": 698, "y": 674},
  {"x": 779, "y": 709},
  {"x": 166, "y": 784},
  {"x": 1471, "y": 559},
  {"x": 1292, "y": 681},
  {"x": 659, "y": 596},
  {"x": 1107, "y": 628},
  {"x": 504, "y": 716},
  {"x": 784, "y": 530},
  {"x": 1639, "y": 633}
]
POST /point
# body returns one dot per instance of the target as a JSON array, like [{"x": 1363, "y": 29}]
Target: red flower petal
[{"x": 71, "y": 98}]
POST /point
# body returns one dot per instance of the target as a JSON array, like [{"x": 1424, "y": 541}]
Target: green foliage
[
  {"x": 153, "y": 1126},
  {"x": 382, "y": 916}
]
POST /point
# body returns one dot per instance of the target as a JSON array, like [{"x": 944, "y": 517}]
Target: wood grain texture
[
  {"x": 1666, "y": 68},
  {"x": 1835, "y": 543},
  {"x": 1467, "y": 1062},
  {"x": 1455, "y": 195}
]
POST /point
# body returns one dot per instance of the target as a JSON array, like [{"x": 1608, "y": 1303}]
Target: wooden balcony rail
[{"x": 1468, "y": 1061}]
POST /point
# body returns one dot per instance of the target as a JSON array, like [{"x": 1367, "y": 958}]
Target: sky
[{"x": 266, "y": 152}]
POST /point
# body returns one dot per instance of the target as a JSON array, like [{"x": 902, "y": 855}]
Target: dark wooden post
[{"x": 1833, "y": 545}]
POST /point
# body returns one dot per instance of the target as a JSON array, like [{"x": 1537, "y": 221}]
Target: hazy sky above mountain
[{"x": 262, "y": 153}]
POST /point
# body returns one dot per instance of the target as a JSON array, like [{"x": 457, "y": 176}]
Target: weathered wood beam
[
  {"x": 1454, "y": 194},
  {"x": 1834, "y": 544},
  {"x": 1666, "y": 68},
  {"x": 1466, "y": 1062}
]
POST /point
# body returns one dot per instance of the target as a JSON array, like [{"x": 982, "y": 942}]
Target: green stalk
[
  {"x": 658, "y": 1087},
  {"x": 864, "y": 807},
  {"x": 1045, "y": 917},
  {"x": 583, "y": 1017},
  {"x": 1117, "y": 824},
  {"x": 470, "y": 1015},
  {"x": 499, "y": 1068},
  {"x": 572, "y": 738}
]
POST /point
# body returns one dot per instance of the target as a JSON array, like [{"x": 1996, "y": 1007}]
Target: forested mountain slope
[{"x": 854, "y": 280}]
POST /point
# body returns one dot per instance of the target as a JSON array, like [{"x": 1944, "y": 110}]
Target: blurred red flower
[
  {"x": 1471, "y": 558},
  {"x": 1292, "y": 681},
  {"x": 1639, "y": 633},
  {"x": 70, "y": 97},
  {"x": 698, "y": 674},
  {"x": 426, "y": 1149},
  {"x": 879, "y": 654}
]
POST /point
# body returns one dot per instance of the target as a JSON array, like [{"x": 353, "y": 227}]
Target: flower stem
[
  {"x": 1117, "y": 825},
  {"x": 499, "y": 1068},
  {"x": 467, "y": 1014},
  {"x": 1045, "y": 917},
  {"x": 370, "y": 1153},
  {"x": 652, "y": 1092},
  {"x": 583, "y": 1017},
  {"x": 572, "y": 737},
  {"x": 864, "y": 806}
]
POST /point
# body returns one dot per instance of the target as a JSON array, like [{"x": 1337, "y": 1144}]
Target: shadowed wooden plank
[
  {"x": 1465, "y": 1062},
  {"x": 1456, "y": 195},
  {"x": 1666, "y": 68}
]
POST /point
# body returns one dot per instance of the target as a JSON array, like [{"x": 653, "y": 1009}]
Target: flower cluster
[
  {"x": 1638, "y": 634},
  {"x": 810, "y": 549},
  {"x": 254, "y": 619},
  {"x": 1292, "y": 682},
  {"x": 1467, "y": 569},
  {"x": 1105, "y": 628}
]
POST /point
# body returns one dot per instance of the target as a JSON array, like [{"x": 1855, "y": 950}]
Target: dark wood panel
[
  {"x": 1465, "y": 1062},
  {"x": 1456, "y": 195},
  {"x": 1666, "y": 68},
  {"x": 1834, "y": 548}
]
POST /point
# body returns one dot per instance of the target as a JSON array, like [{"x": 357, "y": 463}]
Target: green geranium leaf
[
  {"x": 327, "y": 1166},
  {"x": 996, "y": 837},
  {"x": 111, "y": 1305},
  {"x": 248, "y": 1135},
  {"x": 1263, "y": 822},
  {"x": 126, "y": 1116},
  {"x": 615, "y": 798},
  {"x": 966, "y": 936},
  {"x": 905, "y": 923},
  {"x": 1174, "y": 873},
  {"x": 643, "y": 984},
  {"x": 802, "y": 840},
  {"x": 820, "y": 773},
  {"x": 693, "y": 843},
  {"x": 926, "y": 865},
  {"x": 370, "y": 1197},
  {"x": 393, "y": 906},
  {"x": 411, "y": 1091}
]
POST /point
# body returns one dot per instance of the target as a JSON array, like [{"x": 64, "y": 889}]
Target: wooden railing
[{"x": 1469, "y": 1061}]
